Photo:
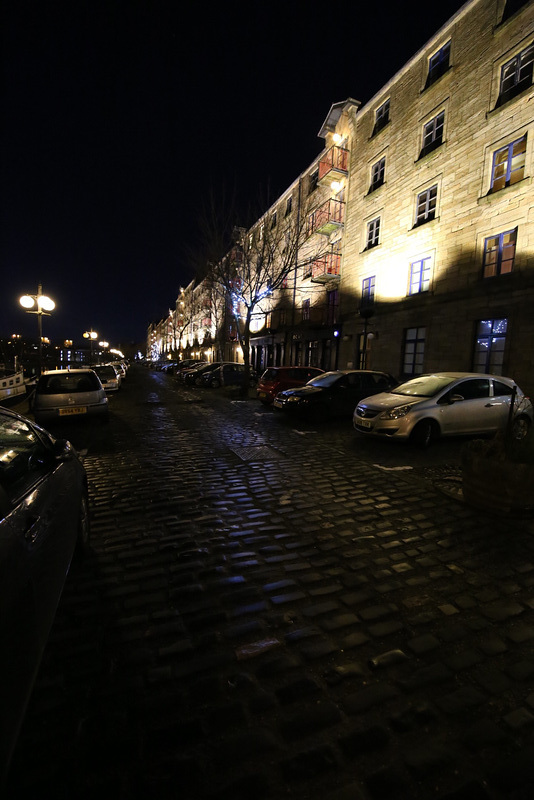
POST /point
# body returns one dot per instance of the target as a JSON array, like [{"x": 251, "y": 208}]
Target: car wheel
[
  {"x": 424, "y": 433},
  {"x": 198, "y": 381},
  {"x": 520, "y": 427},
  {"x": 84, "y": 529},
  {"x": 215, "y": 383}
]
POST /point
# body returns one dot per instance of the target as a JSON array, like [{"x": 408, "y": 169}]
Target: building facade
[{"x": 417, "y": 218}]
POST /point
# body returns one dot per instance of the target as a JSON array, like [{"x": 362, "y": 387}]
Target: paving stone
[
  {"x": 363, "y": 739},
  {"x": 370, "y": 696},
  {"x": 301, "y": 687},
  {"x": 460, "y": 701},
  {"x": 310, "y": 720},
  {"x": 423, "y": 644},
  {"x": 309, "y": 763}
]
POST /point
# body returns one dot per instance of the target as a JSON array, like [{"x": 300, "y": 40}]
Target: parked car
[
  {"x": 62, "y": 393},
  {"x": 444, "y": 404},
  {"x": 332, "y": 394},
  {"x": 229, "y": 374},
  {"x": 109, "y": 377},
  {"x": 276, "y": 379},
  {"x": 121, "y": 368},
  {"x": 44, "y": 518},
  {"x": 195, "y": 376},
  {"x": 185, "y": 367}
]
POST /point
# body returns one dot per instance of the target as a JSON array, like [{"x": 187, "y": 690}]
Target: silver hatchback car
[
  {"x": 444, "y": 404},
  {"x": 64, "y": 393}
]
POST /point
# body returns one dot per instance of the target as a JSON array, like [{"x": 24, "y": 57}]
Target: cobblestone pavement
[{"x": 264, "y": 615}]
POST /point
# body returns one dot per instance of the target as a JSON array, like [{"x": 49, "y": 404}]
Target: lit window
[
  {"x": 508, "y": 164},
  {"x": 414, "y": 351},
  {"x": 377, "y": 174},
  {"x": 381, "y": 117},
  {"x": 438, "y": 64},
  {"x": 489, "y": 346},
  {"x": 373, "y": 233},
  {"x": 499, "y": 253},
  {"x": 426, "y": 205},
  {"x": 516, "y": 75},
  {"x": 433, "y": 134},
  {"x": 420, "y": 275}
]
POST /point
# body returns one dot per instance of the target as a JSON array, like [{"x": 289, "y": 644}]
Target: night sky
[{"x": 120, "y": 117}]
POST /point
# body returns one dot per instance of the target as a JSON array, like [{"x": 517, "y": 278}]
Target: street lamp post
[
  {"x": 91, "y": 335},
  {"x": 41, "y": 305}
]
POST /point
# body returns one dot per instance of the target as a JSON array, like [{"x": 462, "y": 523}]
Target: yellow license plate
[{"x": 67, "y": 412}]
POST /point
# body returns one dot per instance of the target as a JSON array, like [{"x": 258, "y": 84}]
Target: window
[
  {"x": 414, "y": 351},
  {"x": 438, "y": 64},
  {"x": 420, "y": 275},
  {"x": 373, "y": 233},
  {"x": 381, "y": 117},
  {"x": 499, "y": 253},
  {"x": 433, "y": 134},
  {"x": 273, "y": 220},
  {"x": 313, "y": 179},
  {"x": 289, "y": 205},
  {"x": 489, "y": 346},
  {"x": 306, "y": 309},
  {"x": 377, "y": 174},
  {"x": 516, "y": 75},
  {"x": 368, "y": 292},
  {"x": 332, "y": 306},
  {"x": 426, "y": 205},
  {"x": 508, "y": 164}
]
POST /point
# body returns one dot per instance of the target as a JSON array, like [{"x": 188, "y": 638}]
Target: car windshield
[
  {"x": 424, "y": 386},
  {"x": 325, "y": 380},
  {"x": 269, "y": 375},
  {"x": 60, "y": 383}
]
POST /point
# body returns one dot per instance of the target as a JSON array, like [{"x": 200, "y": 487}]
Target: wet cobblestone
[{"x": 265, "y": 614}]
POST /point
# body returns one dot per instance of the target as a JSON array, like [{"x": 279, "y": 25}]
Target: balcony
[
  {"x": 334, "y": 165},
  {"x": 327, "y": 218},
  {"x": 327, "y": 268}
]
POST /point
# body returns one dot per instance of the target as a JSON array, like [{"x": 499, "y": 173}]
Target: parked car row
[
  {"x": 421, "y": 409},
  {"x": 217, "y": 373}
]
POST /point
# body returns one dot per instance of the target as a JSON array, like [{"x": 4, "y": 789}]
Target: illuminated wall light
[{"x": 337, "y": 138}]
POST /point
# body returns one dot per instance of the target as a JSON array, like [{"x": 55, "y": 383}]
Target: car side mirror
[{"x": 455, "y": 398}]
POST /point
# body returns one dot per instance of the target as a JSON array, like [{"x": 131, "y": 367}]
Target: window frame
[
  {"x": 372, "y": 236},
  {"x": 509, "y": 171},
  {"x": 381, "y": 116},
  {"x": 433, "y": 134},
  {"x": 440, "y": 66},
  {"x": 420, "y": 282},
  {"x": 378, "y": 170},
  {"x": 368, "y": 291},
  {"x": 426, "y": 205},
  {"x": 414, "y": 359},
  {"x": 493, "y": 361},
  {"x": 512, "y": 68},
  {"x": 498, "y": 263}
]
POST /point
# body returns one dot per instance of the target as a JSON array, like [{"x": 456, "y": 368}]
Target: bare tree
[{"x": 258, "y": 263}]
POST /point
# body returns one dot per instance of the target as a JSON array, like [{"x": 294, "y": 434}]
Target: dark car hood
[{"x": 304, "y": 391}]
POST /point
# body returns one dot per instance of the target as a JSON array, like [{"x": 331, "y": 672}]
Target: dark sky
[{"x": 119, "y": 118}]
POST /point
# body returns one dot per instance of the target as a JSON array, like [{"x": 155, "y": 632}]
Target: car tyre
[
  {"x": 215, "y": 383},
  {"x": 520, "y": 427},
  {"x": 424, "y": 433}
]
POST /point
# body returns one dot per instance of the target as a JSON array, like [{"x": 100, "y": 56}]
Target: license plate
[
  {"x": 363, "y": 423},
  {"x": 67, "y": 412},
  {"x": 262, "y": 394},
  {"x": 277, "y": 404}
]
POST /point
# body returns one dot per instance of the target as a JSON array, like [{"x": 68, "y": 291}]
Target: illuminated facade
[{"x": 417, "y": 251}]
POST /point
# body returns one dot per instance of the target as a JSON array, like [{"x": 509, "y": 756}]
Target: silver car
[
  {"x": 44, "y": 519},
  {"x": 444, "y": 404},
  {"x": 109, "y": 377},
  {"x": 64, "y": 393}
]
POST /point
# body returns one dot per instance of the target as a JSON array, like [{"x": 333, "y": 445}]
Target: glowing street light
[
  {"x": 41, "y": 305},
  {"x": 91, "y": 335}
]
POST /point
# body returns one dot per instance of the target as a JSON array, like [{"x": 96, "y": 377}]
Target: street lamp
[
  {"x": 91, "y": 335},
  {"x": 41, "y": 305}
]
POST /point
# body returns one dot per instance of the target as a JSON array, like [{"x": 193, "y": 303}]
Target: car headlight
[
  {"x": 395, "y": 413},
  {"x": 293, "y": 399}
]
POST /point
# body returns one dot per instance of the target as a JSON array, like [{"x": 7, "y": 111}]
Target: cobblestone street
[{"x": 267, "y": 615}]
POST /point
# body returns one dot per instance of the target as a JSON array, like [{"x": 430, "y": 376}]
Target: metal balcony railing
[
  {"x": 327, "y": 218},
  {"x": 326, "y": 268},
  {"x": 334, "y": 164}
]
